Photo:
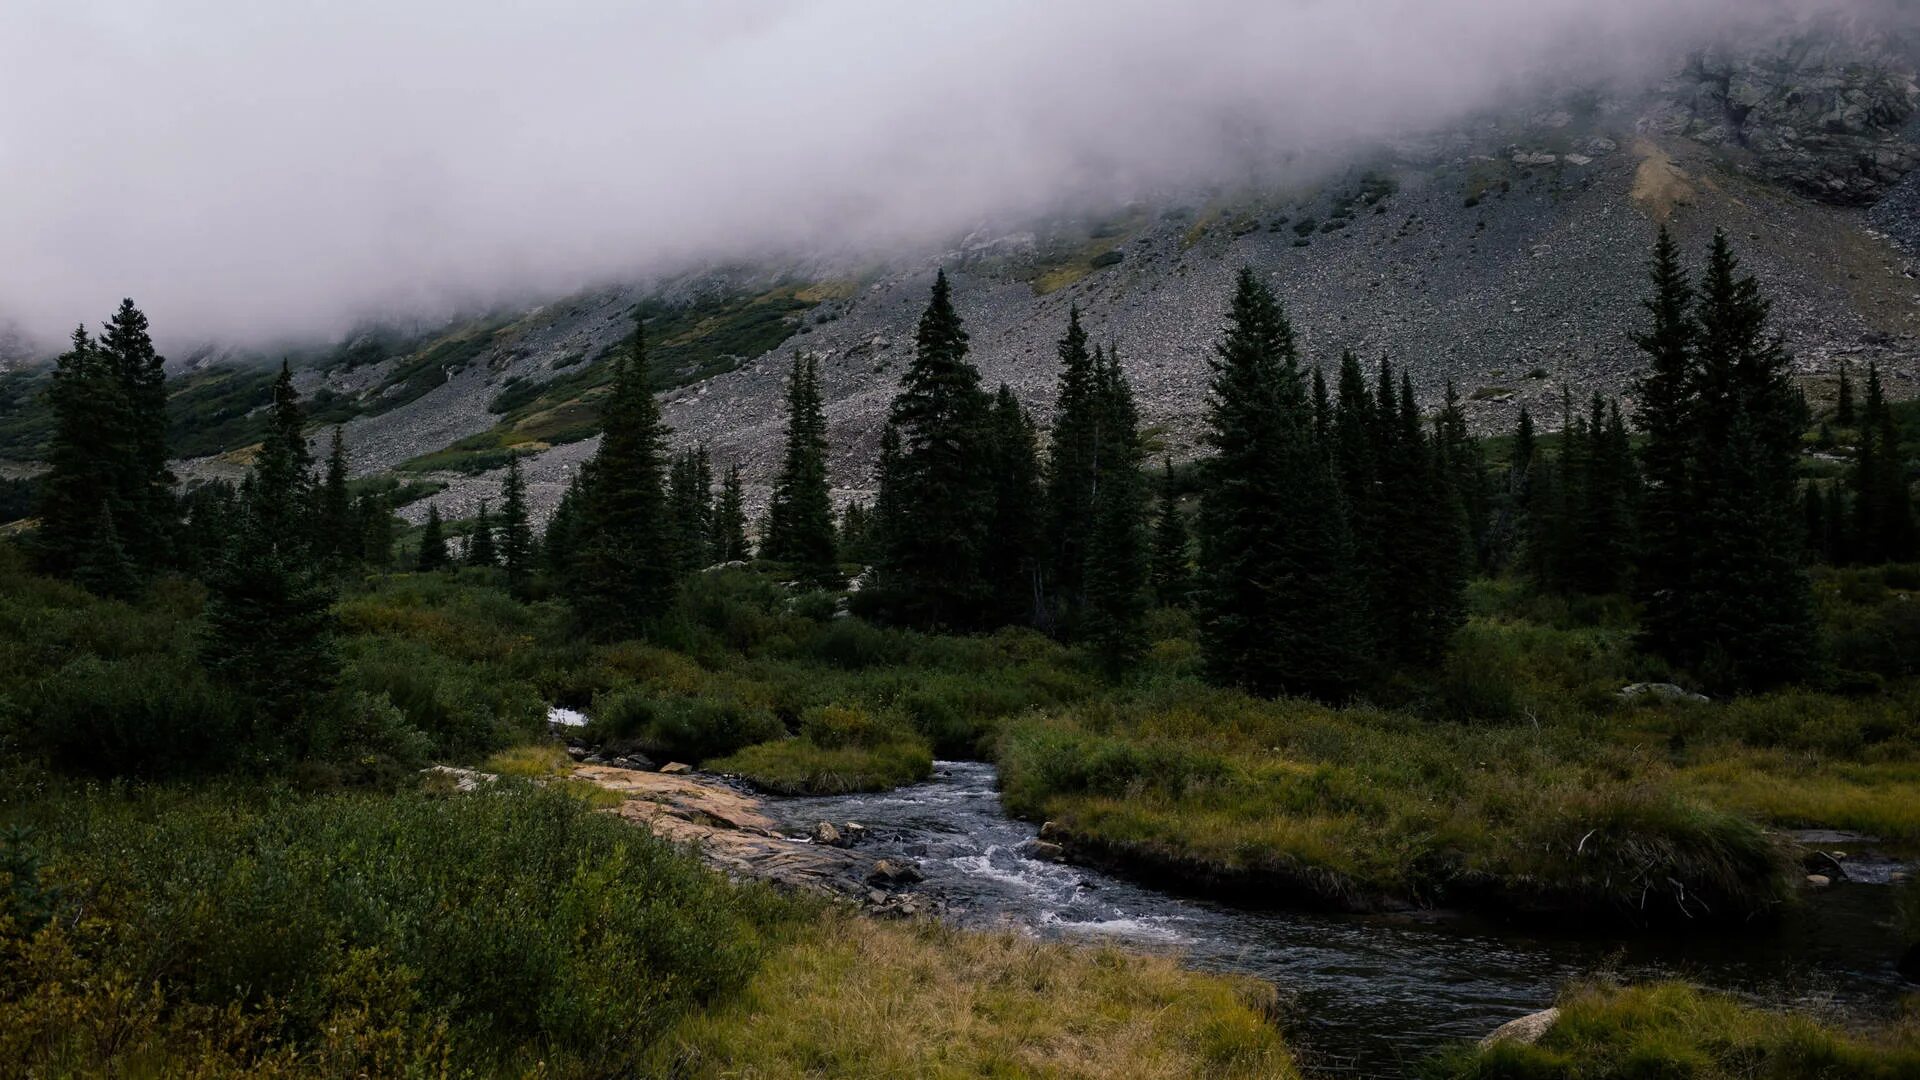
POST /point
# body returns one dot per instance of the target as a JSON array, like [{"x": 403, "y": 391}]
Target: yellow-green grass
[
  {"x": 1795, "y": 791},
  {"x": 1669, "y": 1029},
  {"x": 799, "y": 766},
  {"x": 537, "y": 761},
  {"x": 853, "y": 998}
]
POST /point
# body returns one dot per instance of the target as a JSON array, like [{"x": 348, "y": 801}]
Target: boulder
[
  {"x": 637, "y": 762},
  {"x": 676, "y": 768},
  {"x": 825, "y": 833},
  {"x": 855, "y": 833},
  {"x": 1043, "y": 850},
  {"x": 1818, "y": 881},
  {"x": 886, "y": 873},
  {"x": 1525, "y": 1031},
  {"x": 1658, "y": 690},
  {"x": 1052, "y": 832}
]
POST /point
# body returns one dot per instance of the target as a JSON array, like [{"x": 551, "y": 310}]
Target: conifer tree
[
  {"x": 1668, "y": 405},
  {"x": 1749, "y": 418},
  {"x": 800, "y": 517},
  {"x": 1013, "y": 543},
  {"x": 558, "y": 547},
  {"x": 623, "y": 575},
  {"x": 516, "y": 528},
  {"x": 481, "y": 550},
  {"x": 1439, "y": 548},
  {"x": 1843, "y": 407},
  {"x": 1322, "y": 411},
  {"x": 1276, "y": 600},
  {"x": 855, "y": 534},
  {"x": 1883, "y": 526},
  {"x": 730, "y": 520},
  {"x": 211, "y": 520},
  {"x": 1117, "y": 559},
  {"x": 433, "y": 543},
  {"x": 1072, "y": 465},
  {"x": 1171, "y": 574},
  {"x": 936, "y": 489},
  {"x": 105, "y": 568},
  {"x": 1464, "y": 469},
  {"x": 690, "y": 508},
  {"x": 337, "y": 536},
  {"x": 83, "y": 472},
  {"x": 1605, "y": 490},
  {"x": 148, "y": 515},
  {"x": 269, "y": 622},
  {"x": 374, "y": 513}
]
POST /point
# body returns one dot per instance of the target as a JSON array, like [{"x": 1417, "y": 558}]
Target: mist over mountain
[{"x": 256, "y": 174}]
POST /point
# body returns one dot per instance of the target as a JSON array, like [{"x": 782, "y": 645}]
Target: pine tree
[
  {"x": 730, "y": 520},
  {"x": 105, "y": 568},
  {"x": 1843, "y": 407},
  {"x": 623, "y": 575},
  {"x": 558, "y": 546},
  {"x": 1012, "y": 557},
  {"x": 145, "y": 507},
  {"x": 1117, "y": 560},
  {"x": 83, "y": 474},
  {"x": 1668, "y": 394},
  {"x": 269, "y": 621},
  {"x": 1171, "y": 574},
  {"x": 1440, "y": 548},
  {"x": 800, "y": 517},
  {"x": 1276, "y": 599},
  {"x": 855, "y": 534},
  {"x": 481, "y": 550},
  {"x": 690, "y": 509},
  {"x": 374, "y": 514},
  {"x": 936, "y": 527},
  {"x": 516, "y": 528},
  {"x": 433, "y": 543},
  {"x": 212, "y": 513},
  {"x": 1605, "y": 490},
  {"x": 1072, "y": 464},
  {"x": 1749, "y": 418},
  {"x": 1883, "y": 526},
  {"x": 1465, "y": 471},
  {"x": 336, "y": 532}
]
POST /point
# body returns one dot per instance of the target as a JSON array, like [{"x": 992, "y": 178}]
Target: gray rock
[
  {"x": 887, "y": 873},
  {"x": 1818, "y": 881},
  {"x": 1658, "y": 690},
  {"x": 1044, "y": 851},
  {"x": 1524, "y": 1031},
  {"x": 825, "y": 833}
]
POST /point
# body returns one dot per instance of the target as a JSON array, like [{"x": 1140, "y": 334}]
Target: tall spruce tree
[
  {"x": 269, "y": 621},
  {"x": 1883, "y": 526},
  {"x": 1440, "y": 548},
  {"x": 481, "y": 549},
  {"x": 1464, "y": 469},
  {"x": 433, "y": 543},
  {"x": 1171, "y": 573},
  {"x": 623, "y": 574},
  {"x": 337, "y": 538},
  {"x": 1605, "y": 492},
  {"x": 1277, "y": 604},
  {"x": 1013, "y": 544},
  {"x": 1749, "y": 419},
  {"x": 516, "y": 528},
  {"x": 1668, "y": 392},
  {"x": 84, "y": 466},
  {"x": 932, "y": 568},
  {"x": 373, "y": 512},
  {"x": 730, "y": 520},
  {"x": 147, "y": 512},
  {"x": 1117, "y": 567},
  {"x": 559, "y": 544},
  {"x": 800, "y": 517},
  {"x": 1843, "y": 404},
  {"x": 1072, "y": 465},
  {"x": 690, "y": 508}
]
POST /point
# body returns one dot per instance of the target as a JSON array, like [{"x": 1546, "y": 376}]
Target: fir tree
[
  {"x": 1013, "y": 543},
  {"x": 800, "y": 517},
  {"x": 83, "y": 474},
  {"x": 1171, "y": 574},
  {"x": 730, "y": 520},
  {"x": 1276, "y": 601},
  {"x": 936, "y": 527},
  {"x": 481, "y": 550},
  {"x": 269, "y": 622},
  {"x": 623, "y": 575},
  {"x": 105, "y": 568},
  {"x": 433, "y": 543},
  {"x": 1668, "y": 393},
  {"x": 374, "y": 513},
  {"x": 1843, "y": 407},
  {"x": 690, "y": 509},
  {"x": 1117, "y": 559},
  {"x": 1072, "y": 464},
  {"x": 337, "y": 536},
  {"x": 211, "y": 519},
  {"x": 1882, "y": 527},
  {"x": 516, "y": 528},
  {"x": 1605, "y": 490},
  {"x": 147, "y": 512},
  {"x": 558, "y": 547},
  {"x": 1464, "y": 469},
  {"x": 855, "y": 534}
]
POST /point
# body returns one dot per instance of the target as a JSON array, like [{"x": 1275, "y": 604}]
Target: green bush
[
  {"x": 518, "y": 923},
  {"x": 141, "y": 716},
  {"x": 678, "y": 728},
  {"x": 465, "y": 708}
]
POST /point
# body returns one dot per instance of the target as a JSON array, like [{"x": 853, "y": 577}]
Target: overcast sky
[{"x": 248, "y": 168}]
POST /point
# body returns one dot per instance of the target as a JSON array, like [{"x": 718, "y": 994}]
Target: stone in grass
[
  {"x": 1525, "y": 1031},
  {"x": 676, "y": 768}
]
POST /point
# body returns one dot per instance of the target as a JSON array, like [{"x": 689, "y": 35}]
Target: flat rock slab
[{"x": 730, "y": 829}]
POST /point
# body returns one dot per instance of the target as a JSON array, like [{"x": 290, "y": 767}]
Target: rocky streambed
[{"x": 1370, "y": 994}]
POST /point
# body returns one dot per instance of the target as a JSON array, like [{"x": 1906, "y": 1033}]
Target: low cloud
[{"x": 251, "y": 170}]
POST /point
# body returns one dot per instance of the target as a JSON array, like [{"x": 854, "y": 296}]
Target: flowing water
[{"x": 1369, "y": 995}]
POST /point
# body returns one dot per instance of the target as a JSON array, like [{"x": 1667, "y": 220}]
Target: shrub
[
  {"x": 466, "y": 709},
  {"x": 680, "y": 729},
  {"x": 142, "y": 716}
]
